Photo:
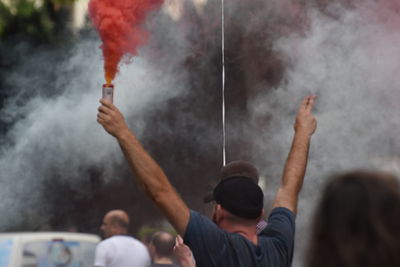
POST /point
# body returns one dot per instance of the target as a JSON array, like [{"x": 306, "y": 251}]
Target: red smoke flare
[{"x": 118, "y": 23}]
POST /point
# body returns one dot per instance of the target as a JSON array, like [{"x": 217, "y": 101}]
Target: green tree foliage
[{"x": 40, "y": 21}]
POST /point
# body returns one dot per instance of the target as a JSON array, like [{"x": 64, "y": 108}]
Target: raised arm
[
  {"x": 148, "y": 173},
  {"x": 296, "y": 163}
]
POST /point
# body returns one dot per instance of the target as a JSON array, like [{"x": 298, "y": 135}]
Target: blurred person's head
[
  {"x": 162, "y": 247},
  {"x": 238, "y": 198},
  {"x": 357, "y": 222},
  {"x": 146, "y": 238},
  {"x": 115, "y": 222}
]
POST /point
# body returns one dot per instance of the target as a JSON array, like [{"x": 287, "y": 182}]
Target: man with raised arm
[{"x": 231, "y": 240}]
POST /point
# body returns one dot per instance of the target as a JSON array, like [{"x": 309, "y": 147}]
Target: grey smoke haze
[
  {"x": 55, "y": 142},
  {"x": 352, "y": 63},
  {"x": 58, "y": 137},
  {"x": 349, "y": 55}
]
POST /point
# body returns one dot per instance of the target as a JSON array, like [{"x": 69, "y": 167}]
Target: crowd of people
[
  {"x": 356, "y": 222},
  {"x": 119, "y": 249}
]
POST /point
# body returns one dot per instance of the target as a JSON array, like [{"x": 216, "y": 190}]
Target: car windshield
[
  {"x": 58, "y": 253},
  {"x": 5, "y": 251}
]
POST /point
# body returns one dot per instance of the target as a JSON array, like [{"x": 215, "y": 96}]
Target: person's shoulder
[
  {"x": 278, "y": 237},
  {"x": 104, "y": 242},
  {"x": 104, "y": 246},
  {"x": 199, "y": 225},
  {"x": 129, "y": 240},
  {"x": 282, "y": 211},
  {"x": 194, "y": 213},
  {"x": 197, "y": 216},
  {"x": 163, "y": 265},
  {"x": 281, "y": 225},
  {"x": 115, "y": 240},
  {"x": 281, "y": 218},
  {"x": 125, "y": 238},
  {"x": 197, "y": 219}
]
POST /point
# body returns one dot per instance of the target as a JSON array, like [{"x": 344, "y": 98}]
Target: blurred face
[{"x": 106, "y": 227}]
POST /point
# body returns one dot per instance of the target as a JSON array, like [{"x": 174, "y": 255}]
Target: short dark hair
[
  {"x": 357, "y": 222},
  {"x": 163, "y": 243},
  {"x": 240, "y": 168}
]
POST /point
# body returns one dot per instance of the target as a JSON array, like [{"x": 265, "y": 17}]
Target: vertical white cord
[{"x": 223, "y": 84}]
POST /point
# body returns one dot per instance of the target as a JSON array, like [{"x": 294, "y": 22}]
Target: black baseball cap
[
  {"x": 237, "y": 168},
  {"x": 238, "y": 191},
  {"x": 240, "y": 196}
]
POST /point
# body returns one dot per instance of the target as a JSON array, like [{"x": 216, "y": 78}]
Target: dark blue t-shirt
[{"x": 214, "y": 247}]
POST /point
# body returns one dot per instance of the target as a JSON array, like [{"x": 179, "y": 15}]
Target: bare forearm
[
  {"x": 146, "y": 170},
  {"x": 155, "y": 183},
  {"x": 296, "y": 163},
  {"x": 293, "y": 173}
]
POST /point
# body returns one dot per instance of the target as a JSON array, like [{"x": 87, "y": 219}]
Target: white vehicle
[{"x": 47, "y": 249}]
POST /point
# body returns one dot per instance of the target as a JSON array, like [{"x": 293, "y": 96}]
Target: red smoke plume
[{"x": 118, "y": 23}]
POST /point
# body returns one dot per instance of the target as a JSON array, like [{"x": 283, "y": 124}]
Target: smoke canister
[{"x": 108, "y": 92}]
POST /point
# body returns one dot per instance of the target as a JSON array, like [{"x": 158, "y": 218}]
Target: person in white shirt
[{"x": 119, "y": 249}]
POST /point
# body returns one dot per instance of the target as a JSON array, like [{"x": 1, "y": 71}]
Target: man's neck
[
  {"x": 121, "y": 232},
  {"x": 245, "y": 231},
  {"x": 162, "y": 260}
]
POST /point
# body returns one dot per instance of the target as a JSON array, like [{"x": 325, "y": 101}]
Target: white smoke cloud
[
  {"x": 352, "y": 63},
  {"x": 59, "y": 137}
]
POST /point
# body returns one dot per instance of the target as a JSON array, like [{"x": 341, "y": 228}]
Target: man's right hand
[
  {"x": 305, "y": 121},
  {"x": 111, "y": 119}
]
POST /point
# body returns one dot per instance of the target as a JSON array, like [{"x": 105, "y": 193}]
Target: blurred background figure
[
  {"x": 183, "y": 253},
  {"x": 161, "y": 249},
  {"x": 146, "y": 238},
  {"x": 119, "y": 249},
  {"x": 357, "y": 222}
]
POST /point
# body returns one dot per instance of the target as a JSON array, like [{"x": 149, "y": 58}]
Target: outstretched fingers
[
  {"x": 304, "y": 104},
  {"x": 310, "y": 103},
  {"x": 305, "y": 121}
]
